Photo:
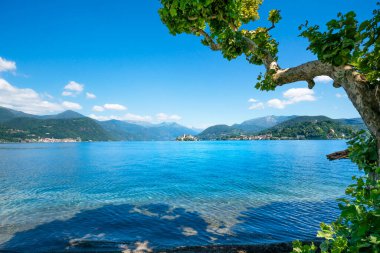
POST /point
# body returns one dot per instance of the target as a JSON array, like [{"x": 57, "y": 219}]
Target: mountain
[
  {"x": 219, "y": 132},
  {"x": 121, "y": 130},
  {"x": 259, "y": 124},
  {"x": 124, "y": 131},
  {"x": 311, "y": 127},
  {"x": 357, "y": 123},
  {"x": 169, "y": 131},
  {"x": 30, "y": 128},
  {"x": 307, "y": 119},
  {"x": 249, "y": 127},
  {"x": 69, "y": 114},
  {"x": 8, "y": 114},
  {"x": 18, "y": 126}
]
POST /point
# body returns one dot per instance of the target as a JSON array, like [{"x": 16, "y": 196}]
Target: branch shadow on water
[
  {"x": 125, "y": 228},
  {"x": 100, "y": 228}
]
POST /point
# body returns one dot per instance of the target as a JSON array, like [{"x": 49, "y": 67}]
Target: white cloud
[
  {"x": 127, "y": 117},
  {"x": 74, "y": 86},
  {"x": 116, "y": 107},
  {"x": 134, "y": 117},
  {"x": 164, "y": 117},
  {"x": 90, "y": 95},
  {"x": 25, "y": 99},
  {"x": 322, "y": 79},
  {"x": 292, "y": 96},
  {"x": 46, "y": 95},
  {"x": 71, "y": 105},
  {"x": 67, "y": 93},
  {"x": 160, "y": 117},
  {"x": 72, "y": 89},
  {"x": 100, "y": 118},
  {"x": 97, "y": 108},
  {"x": 276, "y": 103},
  {"x": 296, "y": 95},
  {"x": 256, "y": 106},
  {"x": 6, "y": 65}
]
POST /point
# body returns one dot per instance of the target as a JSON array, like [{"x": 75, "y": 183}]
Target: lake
[{"x": 81, "y": 196}]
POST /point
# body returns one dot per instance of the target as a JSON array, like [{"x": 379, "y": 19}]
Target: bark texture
[{"x": 364, "y": 97}]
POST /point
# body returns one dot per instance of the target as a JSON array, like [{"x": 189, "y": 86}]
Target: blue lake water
[{"x": 166, "y": 194}]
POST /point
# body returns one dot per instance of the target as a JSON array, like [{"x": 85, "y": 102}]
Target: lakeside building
[{"x": 187, "y": 137}]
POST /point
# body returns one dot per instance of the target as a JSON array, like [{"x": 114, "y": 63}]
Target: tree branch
[
  {"x": 268, "y": 61},
  {"x": 214, "y": 46},
  {"x": 304, "y": 72},
  {"x": 338, "y": 155},
  {"x": 364, "y": 98},
  {"x": 270, "y": 28}
]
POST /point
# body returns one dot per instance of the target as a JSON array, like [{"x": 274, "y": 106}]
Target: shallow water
[{"x": 80, "y": 196}]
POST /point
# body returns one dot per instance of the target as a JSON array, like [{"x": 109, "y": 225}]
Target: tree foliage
[
  {"x": 221, "y": 22},
  {"x": 346, "y": 41},
  {"x": 357, "y": 229}
]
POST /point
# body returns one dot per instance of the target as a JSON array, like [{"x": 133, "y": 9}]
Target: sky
[{"x": 116, "y": 59}]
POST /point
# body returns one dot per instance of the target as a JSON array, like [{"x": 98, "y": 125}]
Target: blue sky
[{"x": 120, "y": 52}]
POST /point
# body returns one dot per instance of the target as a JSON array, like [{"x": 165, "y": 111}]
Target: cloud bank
[
  {"x": 29, "y": 101},
  {"x": 291, "y": 96},
  {"x": 6, "y": 65},
  {"x": 72, "y": 89},
  {"x": 160, "y": 117}
]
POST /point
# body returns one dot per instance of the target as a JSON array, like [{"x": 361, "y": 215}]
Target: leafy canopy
[
  {"x": 221, "y": 23},
  {"x": 346, "y": 41}
]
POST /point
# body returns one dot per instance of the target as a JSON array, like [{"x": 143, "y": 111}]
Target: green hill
[
  {"x": 219, "y": 132},
  {"x": 311, "y": 127},
  {"x": 17, "y": 126},
  {"x": 259, "y": 124},
  {"x": 26, "y": 128},
  {"x": 125, "y": 131},
  {"x": 357, "y": 123},
  {"x": 8, "y": 114}
]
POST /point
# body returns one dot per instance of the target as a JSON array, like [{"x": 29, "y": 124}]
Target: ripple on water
[{"x": 166, "y": 194}]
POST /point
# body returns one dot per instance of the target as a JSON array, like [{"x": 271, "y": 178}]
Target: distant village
[
  {"x": 264, "y": 137},
  {"x": 187, "y": 137},
  {"x": 242, "y": 137},
  {"x": 50, "y": 140}
]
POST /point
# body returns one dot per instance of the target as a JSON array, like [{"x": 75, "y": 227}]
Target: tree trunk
[
  {"x": 378, "y": 149},
  {"x": 364, "y": 97}
]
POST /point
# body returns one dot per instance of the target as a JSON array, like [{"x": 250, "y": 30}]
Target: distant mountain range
[
  {"x": 309, "y": 127},
  {"x": 16, "y": 126}
]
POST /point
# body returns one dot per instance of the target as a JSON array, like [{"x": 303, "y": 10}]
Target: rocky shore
[{"x": 264, "y": 248}]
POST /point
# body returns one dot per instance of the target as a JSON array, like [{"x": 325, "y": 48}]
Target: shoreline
[
  {"x": 282, "y": 247},
  {"x": 57, "y": 141}
]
